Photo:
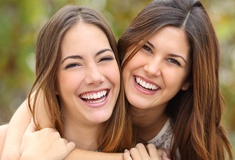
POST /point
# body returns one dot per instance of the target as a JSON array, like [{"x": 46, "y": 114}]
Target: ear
[{"x": 185, "y": 86}]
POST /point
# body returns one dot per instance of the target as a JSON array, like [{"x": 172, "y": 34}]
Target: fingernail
[{"x": 164, "y": 154}]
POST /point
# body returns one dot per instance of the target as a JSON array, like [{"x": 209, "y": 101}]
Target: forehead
[
  {"x": 173, "y": 36},
  {"x": 83, "y": 38},
  {"x": 171, "y": 39}
]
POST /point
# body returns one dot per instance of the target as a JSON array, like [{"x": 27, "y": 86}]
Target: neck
[
  {"x": 148, "y": 122},
  {"x": 84, "y": 136}
]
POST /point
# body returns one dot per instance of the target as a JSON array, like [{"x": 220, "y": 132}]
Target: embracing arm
[
  {"x": 17, "y": 126},
  {"x": 16, "y": 129},
  {"x": 19, "y": 123},
  {"x": 79, "y": 154},
  {"x": 137, "y": 153}
]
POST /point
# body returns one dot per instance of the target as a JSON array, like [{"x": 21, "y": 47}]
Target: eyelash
[
  {"x": 72, "y": 65},
  {"x": 171, "y": 60},
  {"x": 147, "y": 48},
  {"x": 77, "y": 64},
  {"x": 174, "y": 61},
  {"x": 106, "y": 59}
]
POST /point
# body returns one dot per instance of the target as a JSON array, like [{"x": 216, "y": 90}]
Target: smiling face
[
  {"x": 88, "y": 76},
  {"x": 158, "y": 70}
]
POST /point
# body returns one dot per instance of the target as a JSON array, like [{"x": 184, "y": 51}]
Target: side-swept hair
[
  {"x": 196, "y": 113},
  {"x": 116, "y": 133}
]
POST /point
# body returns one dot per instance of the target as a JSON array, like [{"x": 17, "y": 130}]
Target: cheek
[
  {"x": 112, "y": 73},
  {"x": 67, "y": 82},
  {"x": 174, "y": 77}
]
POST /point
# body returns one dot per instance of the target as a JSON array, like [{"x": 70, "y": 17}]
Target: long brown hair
[
  {"x": 113, "y": 137},
  {"x": 196, "y": 113}
]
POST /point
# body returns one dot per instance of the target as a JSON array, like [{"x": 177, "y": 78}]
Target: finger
[
  {"x": 164, "y": 156},
  {"x": 152, "y": 150},
  {"x": 142, "y": 150},
  {"x": 70, "y": 147},
  {"x": 162, "y": 151},
  {"x": 31, "y": 127},
  {"x": 135, "y": 154},
  {"x": 127, "y": 155}
]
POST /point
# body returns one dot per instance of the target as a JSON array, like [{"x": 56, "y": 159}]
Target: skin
[
  {"x": 165, "y": 66},
  {"x": 55, "y": 149},
  {"x": 87, "y": 70},
  {"x": 164, "y": 63},
  {"x": 3, "y": 132}
]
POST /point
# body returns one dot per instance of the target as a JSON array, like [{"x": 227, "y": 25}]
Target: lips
[
  {"x": 146, "y": 85},
  {"x": 94, "y": 97}
]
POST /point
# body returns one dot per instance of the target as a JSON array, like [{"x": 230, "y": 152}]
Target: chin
[{"x": 101, "y": 118}]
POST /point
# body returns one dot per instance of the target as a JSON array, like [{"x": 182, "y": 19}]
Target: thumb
[
  {"x": 70, "y": 147},
  {"x": 31, "y": 127}
]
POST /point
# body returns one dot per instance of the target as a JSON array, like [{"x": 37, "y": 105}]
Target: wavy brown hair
[
  {"x": 113, "y": 137},
  {"x": 196, "y": 113}
]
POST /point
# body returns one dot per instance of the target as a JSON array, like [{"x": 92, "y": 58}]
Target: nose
[
  {"x": 153, "y": 67},
  {"x": 94, "y": 76}
]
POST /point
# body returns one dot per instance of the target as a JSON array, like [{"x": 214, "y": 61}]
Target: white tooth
[
  {"x": 138, "y": 80},
  {"x": 144, "y": 83},
  {"x": 147, "y": 86},
  {"x": 84, "y": 96},
  {"x": 95, "y": 96},
  {"x": 99, "y": 95}
]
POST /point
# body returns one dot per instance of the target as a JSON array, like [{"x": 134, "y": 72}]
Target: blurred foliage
[{"x": 21, "y": 20}]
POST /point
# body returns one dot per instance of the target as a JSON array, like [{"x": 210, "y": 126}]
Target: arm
[
  {"x": 47, "y": 144},
  {"x": 17, "y": 126},
  {"x": 79, "y": 154},
  {"x": 3, "y": 131},
  {"x": 44, "y": 144},
  {"x": 16, "y": 129},
  {"x": 140, "y": 152},
  {"x": 20, "y": 122}
]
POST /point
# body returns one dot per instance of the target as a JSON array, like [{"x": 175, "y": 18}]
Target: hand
[
  {"x": 140, "y": 152},
  {"x": 45, "y": 144}
]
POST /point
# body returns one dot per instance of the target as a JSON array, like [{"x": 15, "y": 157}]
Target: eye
[
  {"x": 147, "y": 48},
  {"x": 173, "y": 61},
  {"x": 107, "y": 58},
  {"x": 71, "y": 65}
]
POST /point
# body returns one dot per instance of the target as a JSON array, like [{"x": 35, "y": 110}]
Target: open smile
[
  {"x": 95, "y": 97},
  {"x": 146, "y": 85}
]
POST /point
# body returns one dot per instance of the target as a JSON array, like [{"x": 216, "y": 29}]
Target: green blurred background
[{"x": 21, "y": 20}]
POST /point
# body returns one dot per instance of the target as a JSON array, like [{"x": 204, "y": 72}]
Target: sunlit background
[{"x": 21, "y": 20}]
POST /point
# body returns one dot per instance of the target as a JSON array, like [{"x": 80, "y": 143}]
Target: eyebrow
[
  {"x": 80, "y": 57},
  {"x": 172, "y": 55},
  {"x": 177, "y": 56}
]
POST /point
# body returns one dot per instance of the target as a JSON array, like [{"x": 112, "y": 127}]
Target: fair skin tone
[
  {"x": 55, "y": 149},
  {"x": 3, "y": 131},
  {"x": 162, "y": 69},
  {"x": 88, "y": 83},
  {"x": 88, "y": 79}
]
